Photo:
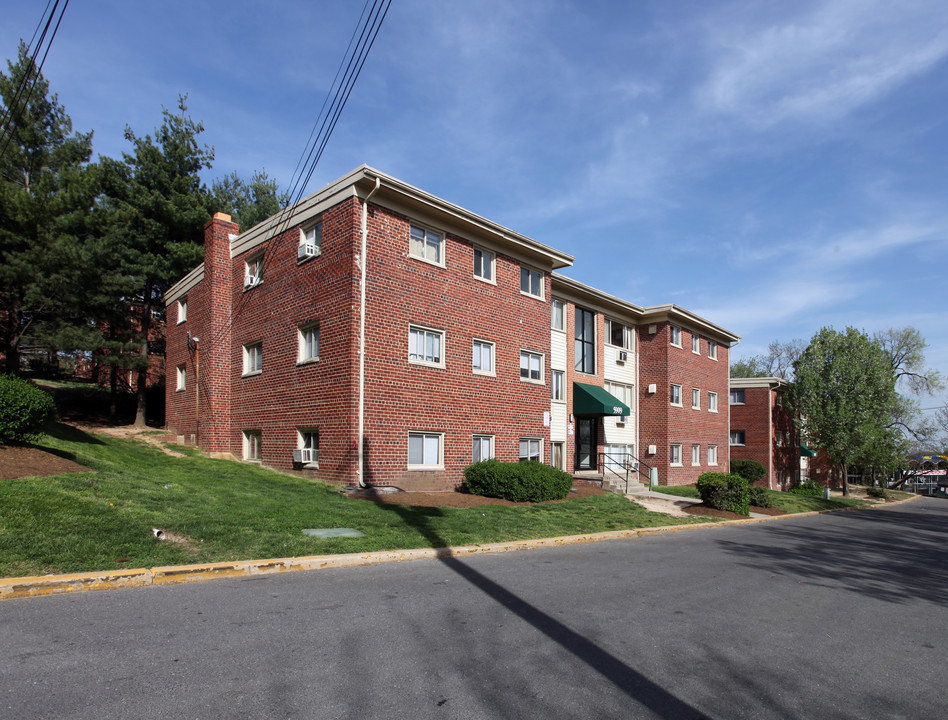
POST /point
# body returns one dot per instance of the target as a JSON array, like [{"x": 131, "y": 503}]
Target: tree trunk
[
  {"x": 143, "y": 371},
  {"x": 113, "y": 391},
  {"x": 845, "y": 481}
]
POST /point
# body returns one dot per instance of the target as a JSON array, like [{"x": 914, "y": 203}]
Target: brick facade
[
  {"x": 447, "y": 401},
  {"x": 769, "y": 433}
]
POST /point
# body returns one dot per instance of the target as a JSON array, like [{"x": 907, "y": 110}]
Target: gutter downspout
[{"x": 363, "y": 262}]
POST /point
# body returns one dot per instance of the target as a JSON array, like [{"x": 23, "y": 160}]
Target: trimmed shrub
[
  {"x": 810, "y": 487},
  {"x": 877, "y": 492},
  {"x": 517, "y": 481},
  {"x": 24, "y": 410},
  {"x": 724, "y": 491},
  {"x": 759, "y": 497},
  {"x": 750, "y": 470}
]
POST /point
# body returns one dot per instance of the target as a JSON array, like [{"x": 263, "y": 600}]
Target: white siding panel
[
  {"x": 557, "y": 350},
  {"x": 624, "y": 373},
  {"x": 558, "y": 422},
  {"x": 616, "y": 434}
]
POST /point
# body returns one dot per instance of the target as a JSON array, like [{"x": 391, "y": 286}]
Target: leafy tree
[
  {"x": 156, "y": 210},
  {"x": 248, "y": 203},
  {"x": 844, "y": 390},
  {"x": 776, "y": 362},
  {"x": 47, "y": 190},
  {"x": 905, "y": 348}
]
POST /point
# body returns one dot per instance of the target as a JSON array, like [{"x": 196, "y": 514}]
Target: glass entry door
[{"x": 585, "y": 443}]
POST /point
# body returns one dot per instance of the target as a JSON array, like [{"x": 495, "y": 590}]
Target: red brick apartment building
[
  {"x": 376, "y": 334},
  {"x": 762, "y": 429}
]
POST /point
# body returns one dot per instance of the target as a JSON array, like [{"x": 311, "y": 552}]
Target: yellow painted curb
[{"x": 34, "y": 586}]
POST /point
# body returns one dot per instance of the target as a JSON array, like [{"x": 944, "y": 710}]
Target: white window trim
[
  {"x": 539, "y": 442},
  {"x": 481, "y": 436},
  {"x": 257, "y": 262},
  {"x": 542, "y": 380},
  {"x": 493, "y": 265},
  {"x": 301, "y": 343},
  {"x": 182, "y": 310},
  {"x": 426, "y": 434},
  {"x": 441, "y": 252},
  {"x": 712, "y": 406},
  {"x": 713, "y": 450},
  {"x": 427, "y": 363},
  {"x": 493, "y": 358},
  {"x": 562, "y": 386},
  {"x": 695, "y": 399},
  {"x": 626, "y": 334},
  {"x": 247, "y": 349},
  {"x": 672, "y": 402},
  {"x": 299, "y": 444},
  {"x": 712, "y": 350},
  {"x": 671, "y": 335},
  {"x": 182, "y": 379},
  {"x": 554, "y": 443},
  {"x": 696, "y": 344},
  {"x": 246, "y": 434},
  {"x": 743, "y": 393},
  {"x": 563, "y": 304},
  {"x": 739, "y": 444},
  {"x": 695, "y": 455},
  {"x": 671, "y": 454},
  {"x": 304, "y": 229},
  {"x": 542, "y": 283}
]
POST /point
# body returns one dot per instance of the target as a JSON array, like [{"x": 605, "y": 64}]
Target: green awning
[
  {"x": 594, "y": 400},
  {"x": 806, "y": 452}
]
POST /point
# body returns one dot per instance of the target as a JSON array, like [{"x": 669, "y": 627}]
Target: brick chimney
[{"x": 216, "y": 346}]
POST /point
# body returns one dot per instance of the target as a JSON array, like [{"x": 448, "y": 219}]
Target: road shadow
[
  {"x": 628, "y": 680},
  {"x": 892, "y": 555}
]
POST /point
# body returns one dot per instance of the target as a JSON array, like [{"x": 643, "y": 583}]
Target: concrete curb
[{"x": 35, "y": 586}]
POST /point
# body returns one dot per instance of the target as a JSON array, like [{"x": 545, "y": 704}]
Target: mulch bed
[
  {"x": 727, "y": 514},
  {"x": 460, "y": 499},
  {"x": 18, "y": 461}
]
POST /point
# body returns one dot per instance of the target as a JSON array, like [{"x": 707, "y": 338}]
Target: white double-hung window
[
  {"x": 425, "y": 346},
  {"x": 426, "y": 245},
  {"x": 531, "y": 282},
  {"x": 531, "y": 449},
  {"x": 531, "y": 366},
  {"x": 425, "y": 450},
  {"x": 484, "y": 265},
  {"x": 482, "y": 448},
  {"x": 253, "y": 358},
  {"x": 308, "y": 338},
  {"x": 483, "y": 357}
]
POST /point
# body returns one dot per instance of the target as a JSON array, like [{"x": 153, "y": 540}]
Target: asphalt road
[{"x": 835, "y": 616}]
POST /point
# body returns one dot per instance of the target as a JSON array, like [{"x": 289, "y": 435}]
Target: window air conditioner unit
[
  {"x": 634, "y": 466},
  {"x": 304, "y": 456},
  {"x": 623, "y": 356},
  {"x": 250, "y": 281},
  {"x": 306, "y": 250},
  {"x": 652, "y": 388},
  {"x": 652, "y": 449},
  {"x": 620, "y": 420}
]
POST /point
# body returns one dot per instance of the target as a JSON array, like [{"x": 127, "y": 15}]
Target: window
[
  {"x": 617, "y": 456},
  {"x": 675, "y": 333},
  {"x": 253, "y": 358},
  {"x": 426, "y": 245},
  {"x": 483, "y": 361},
  {"x": 559, "y": 315},
  {"x": 182, "y": 375},
  {"x": 531, "y": 366},
  {"x": 307, "y": 440},
  {"x": 712, "y": 454},
  {"x": 674, "y": 455},
  {"x": 779, "y": 400},
  {"x": 621, "y": 391},
  {"x": 484, "y": 265},
  {"x": 531, "y": 449},
  {"x": 695, "y": 454},
  {"x": 675, "y": 395},
  {"x": 182, "y": 310},
  {"x": 558, "y": 385},
  {"x": 311, "y": 241},
  {"x": 617, "y": 334},
  {"x": 585, "y": 341},
  {"x": 558, "y": 455},
  {"x": 424, "y": 450},
  {"x": 253, "y": 271},
  {"x": 252, "y": 445},
  {"x": 531, "y": 282},
  {"x": 712, "y": 402},
  {"x": 695, "y": 344},
  {"x": 483, "y": 447},
  {"x": 712, "y": 350},
  {"x": 737, "y": 397},
  {"x": 308, "y": 338},
  {"x": 738, "y": 437},
  {"x": 695, "y": 399},
  {"x": 424, "y": 346}
]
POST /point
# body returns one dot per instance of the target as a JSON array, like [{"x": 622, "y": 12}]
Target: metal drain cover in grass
[{"x": 332, "y": 532}]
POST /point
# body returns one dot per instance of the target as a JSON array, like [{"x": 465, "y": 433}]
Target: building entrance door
[{"x": 585, "y": 443}]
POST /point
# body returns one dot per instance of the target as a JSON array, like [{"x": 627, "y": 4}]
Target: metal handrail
[{"x": 627, "y": 461}]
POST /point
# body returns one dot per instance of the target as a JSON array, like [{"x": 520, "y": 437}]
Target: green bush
[
  {"x": 24, "y": 410},
  {"x": 810, "y": 487},
  {"x": 877, "y": 492},
  {"x": 750, "y": 470},
  {"x": 517, "y": 481},
  {"x": 759, "y": 497},
  {"x": 724, "y": 491}
]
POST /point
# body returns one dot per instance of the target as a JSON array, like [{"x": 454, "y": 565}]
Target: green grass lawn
[
  {"x": 790, "y": 502},
  {"x": 103, "y": 520}
]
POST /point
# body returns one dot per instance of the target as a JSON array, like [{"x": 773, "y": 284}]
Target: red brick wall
[
  {"x": 662, "y": 424},
  {"x": 770, "y": 436}
]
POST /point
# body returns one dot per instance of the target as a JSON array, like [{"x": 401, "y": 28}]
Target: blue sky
[{"x": 774, "y": 167}]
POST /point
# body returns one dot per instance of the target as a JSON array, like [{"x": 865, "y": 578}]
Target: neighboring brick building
[
  {"x": 762, "y": 429},
  {"x": 460, "y": 360}
]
